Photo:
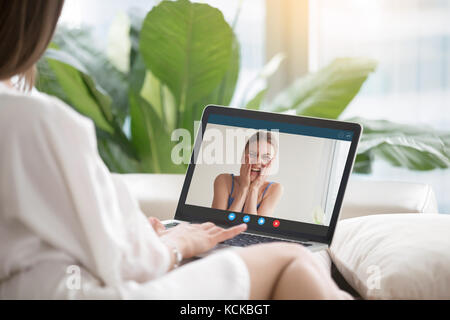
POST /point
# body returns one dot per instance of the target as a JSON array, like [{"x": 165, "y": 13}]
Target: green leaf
[
  {"x": 161, "y": 99},
  {"x": 151, "y": 139},
  {"x": 188, "y": 47},
  {"x": 92, "y": 60},
  {"x": 412, "y": 147},
  {"x": 256, "y": 102},
  {"x": 272, "y": 66},
  {"x": 137, "y": 75},
  {"x": 80, "y": 90},
  {"x": 328, "y": 92},
  {"x": 47, "y": 81},
  {"x": 136, "y": 20},
  {"x": 69, "y": 80},
  {"x": 229, "y": 81},
  {"x": 138, "y": 69},
  {"x": 116, "y": 160},
  {"x": 266, "y": 73},
  {"x": 223, "y": 94},
  {"x": 363, "y": 163}
]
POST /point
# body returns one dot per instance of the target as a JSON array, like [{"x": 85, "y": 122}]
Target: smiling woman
[{"x": 250, "y": 192}]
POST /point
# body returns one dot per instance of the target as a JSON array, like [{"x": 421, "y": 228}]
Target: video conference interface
[{"x": 268, "y": 172}]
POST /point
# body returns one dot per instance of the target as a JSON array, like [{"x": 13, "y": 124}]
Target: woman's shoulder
[
  {"x": 223, "y": 181},
  {"x": 224, "y": 177},
  {"x": 20, "y": 111},
  {"x": 275, "y": 187}
]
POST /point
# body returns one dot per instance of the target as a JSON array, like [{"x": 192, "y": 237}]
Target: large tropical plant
[{"x": 163, "y": 69}]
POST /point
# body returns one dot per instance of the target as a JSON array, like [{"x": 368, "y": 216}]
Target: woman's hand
[
  {"x": 246, "y": 170},
  {"x": 260, "y": 180},
  {"x": 157, "y": 226},
  {"x": 195, "y": 239}
]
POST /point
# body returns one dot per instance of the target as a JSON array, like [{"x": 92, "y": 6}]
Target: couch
[{"x": 158, "y": 195}]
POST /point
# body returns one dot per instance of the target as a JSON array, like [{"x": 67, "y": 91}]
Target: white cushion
[
  {"x": 396, "y": 256},
  {"x": 364, "y": 198}
]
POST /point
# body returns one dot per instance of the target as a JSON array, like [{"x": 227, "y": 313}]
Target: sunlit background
[{"x": 410, "y": 39}]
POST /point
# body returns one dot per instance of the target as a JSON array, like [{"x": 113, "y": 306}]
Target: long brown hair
[{"x": 26, "y": 29}]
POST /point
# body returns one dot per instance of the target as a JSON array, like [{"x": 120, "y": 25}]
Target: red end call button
[{"x": 276, "y": 223}]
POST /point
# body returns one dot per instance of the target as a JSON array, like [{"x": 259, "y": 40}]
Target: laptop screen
[{"x": 278, "y": 177}]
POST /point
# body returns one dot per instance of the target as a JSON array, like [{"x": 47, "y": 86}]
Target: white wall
[{"x": 301, "y": 171}]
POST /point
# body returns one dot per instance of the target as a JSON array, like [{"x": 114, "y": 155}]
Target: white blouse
[{"x": 70, "y": 230}]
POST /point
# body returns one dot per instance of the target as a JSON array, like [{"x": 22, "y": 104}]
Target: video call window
[{"x": 268, "y": 173}]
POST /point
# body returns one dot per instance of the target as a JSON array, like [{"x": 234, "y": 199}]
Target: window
[{"x": 411, "y": 41}]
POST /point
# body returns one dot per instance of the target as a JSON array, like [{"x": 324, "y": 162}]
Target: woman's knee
[
  {"x": 289, "y": 251},
  {"x": 279, "y": 253},
  {"x": 266, "y": 263}
]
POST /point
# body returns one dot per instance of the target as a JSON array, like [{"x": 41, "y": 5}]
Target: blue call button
[
  {"x": 231, "y": 216},
  {"x": 261, "y": 221}
]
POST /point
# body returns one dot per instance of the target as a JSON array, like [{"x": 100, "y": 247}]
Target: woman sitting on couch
[{"x": 63, "y": 215}]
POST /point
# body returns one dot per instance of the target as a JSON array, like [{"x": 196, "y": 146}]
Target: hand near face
[
  {"x": 261, "y": 179},
  {"x": 246, "y": 173}
]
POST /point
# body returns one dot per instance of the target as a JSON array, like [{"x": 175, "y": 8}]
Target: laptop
[{"x": 283, "y": 175}]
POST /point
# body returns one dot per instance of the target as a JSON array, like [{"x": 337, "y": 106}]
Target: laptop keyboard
[
  {"x": 171, "y": 225},
  {"x": 245, "y": 239}
]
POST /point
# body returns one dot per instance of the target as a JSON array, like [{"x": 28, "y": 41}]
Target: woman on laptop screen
[{"x": 250, "y": 192}]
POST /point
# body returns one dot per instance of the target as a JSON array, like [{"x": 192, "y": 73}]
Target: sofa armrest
[
  {"x": 158, "y": 196},
  {"x": 364, "y": 198}
]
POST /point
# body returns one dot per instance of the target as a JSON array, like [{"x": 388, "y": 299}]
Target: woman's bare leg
[{"x": 288, "y": 271}]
